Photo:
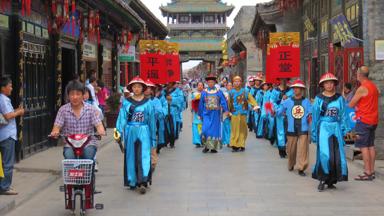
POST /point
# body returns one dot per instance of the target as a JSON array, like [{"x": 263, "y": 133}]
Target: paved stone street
[{"x": 188, "y": 182}]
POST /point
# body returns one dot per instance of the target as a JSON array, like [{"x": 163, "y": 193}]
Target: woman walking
[{"x": 329, "y": 125}]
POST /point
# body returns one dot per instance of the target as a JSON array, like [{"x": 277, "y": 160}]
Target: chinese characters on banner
[
  {"x": 283, "y": 56},
  {"x": 159, "y": 61},
  {"x": 172, "y": 62},
  {"x": 152, "y": 67}
]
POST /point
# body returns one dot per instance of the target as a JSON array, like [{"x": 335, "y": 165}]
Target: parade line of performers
[{"x": 152, "y": 119}]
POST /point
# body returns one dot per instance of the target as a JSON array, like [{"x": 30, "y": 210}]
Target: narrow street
[{"x": 188, "y": 182}]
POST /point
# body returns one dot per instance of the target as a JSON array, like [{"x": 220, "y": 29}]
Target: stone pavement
[{"x": 188, "y": 182}]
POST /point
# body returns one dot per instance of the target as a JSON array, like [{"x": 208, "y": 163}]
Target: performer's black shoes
[
  {"x": 241, "y": 149},
  {"x": 321, "y": 186},
  {"x": 198, "y": 146},
  {"x": 213, "y": 151},
  {"x": 235, "y": 149},
  {"x": 331, "y": 186},
  {"x": 282, "y": 153},
  {"x": 302, "y": 173},
  {"x": 205, "y": 150},
  {"x": 142, "y": 189}
]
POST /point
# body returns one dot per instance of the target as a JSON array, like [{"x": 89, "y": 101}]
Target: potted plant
[{"x": 113, "y": 107}]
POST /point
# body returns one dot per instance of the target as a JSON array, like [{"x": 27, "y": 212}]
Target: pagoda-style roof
[
  {"x": 195, "y": 45},
  {"x": 197, "y": 6}
]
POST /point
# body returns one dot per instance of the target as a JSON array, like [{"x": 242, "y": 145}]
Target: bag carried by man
[{"x": 1, "y": 168}]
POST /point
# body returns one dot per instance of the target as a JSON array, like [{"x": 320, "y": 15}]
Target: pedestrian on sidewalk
[
  {"x": 266, "y": 121},
  {"x": 226, "y": 132},
  {"x": 366, "y": 102},
  {"x": 298, "y": 111},
  {"x": 240, "y": 98},
  {"x": 329, "y": 126},
  {"x": 136, "y": 124},
  {"x": 8, "y": 135},
  {"x": 280, "y": 93},
  {"x": 348, "y": 93},
  {"x": 196, "y": 121},
  {"x": 212, "y": 103}
]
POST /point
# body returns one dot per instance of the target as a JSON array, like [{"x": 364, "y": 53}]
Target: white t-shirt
[{"x": 93, "y": 94}]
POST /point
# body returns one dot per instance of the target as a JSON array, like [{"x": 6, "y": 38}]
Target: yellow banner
[
  {"x": 158, "y": 46},
  {"x": 284, "y": 38}
]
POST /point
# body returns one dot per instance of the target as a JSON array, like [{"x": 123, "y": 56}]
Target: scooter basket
[{"x": 77, "y": 172}]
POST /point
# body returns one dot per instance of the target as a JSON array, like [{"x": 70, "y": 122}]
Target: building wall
[{"x": 373, "y": 25}]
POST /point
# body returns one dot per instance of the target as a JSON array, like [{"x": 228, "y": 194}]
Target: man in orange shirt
[{"x": 366, "y": 103}]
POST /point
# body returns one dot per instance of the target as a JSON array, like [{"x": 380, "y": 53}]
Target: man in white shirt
[{"x": 93, "y": 88}]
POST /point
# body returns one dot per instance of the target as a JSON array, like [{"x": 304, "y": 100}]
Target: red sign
[
  {"x": 172, "y": 63},
  {"x": 152, "y": 67},
  {"x": 76, "y": 173},
  {"x": 283, "y": 62}
]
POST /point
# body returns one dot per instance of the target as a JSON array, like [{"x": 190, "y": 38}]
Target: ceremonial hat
[
  {"x": 237, "y": 78},
  {"x": 298, "y": 84},
  {"x": 251, "y": 79},
  {"x": 211, "y": 77},
  {"x": 328, "y": 77},
  {"x": 149, "y": 83},
  {"x": 258, "y": 78},
  {"x": 134, "y": 81}
]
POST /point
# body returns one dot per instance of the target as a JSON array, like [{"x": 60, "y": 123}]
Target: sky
[{"x": 154, "y": 5}]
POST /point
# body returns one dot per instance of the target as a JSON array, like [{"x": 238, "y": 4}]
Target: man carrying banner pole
[{"x": 280, "y": 93}]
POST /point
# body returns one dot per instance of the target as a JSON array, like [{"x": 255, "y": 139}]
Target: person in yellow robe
[{"x": 239, "y": 98}]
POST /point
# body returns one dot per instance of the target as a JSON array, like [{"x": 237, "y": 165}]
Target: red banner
[
  {"x": 172, "y": 67},
  {"x": 152, "y": 67},
  {"x": 283, "y": 62}
]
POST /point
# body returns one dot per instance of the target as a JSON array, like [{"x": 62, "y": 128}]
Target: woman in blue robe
[
  {"x": 137, "y": 124},
  {"x": 226, "y": 132},
  {"x": 196, "y": 122},
  {"x": 212, "y": 102},
  {"x": 264, "y": 94},
  {"x": 329, "y": 126}
]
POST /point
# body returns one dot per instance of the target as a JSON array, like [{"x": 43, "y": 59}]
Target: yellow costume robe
[{"x": 239, "y": 100}]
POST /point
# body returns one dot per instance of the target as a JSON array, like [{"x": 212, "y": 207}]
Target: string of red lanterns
[
  {"x": 285, "y": 5},
  {"x": 5, "y": 5}
]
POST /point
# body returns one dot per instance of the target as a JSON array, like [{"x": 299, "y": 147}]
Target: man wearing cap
[
  {"x": 298, "y": 111},
  {"x": 251, "y": 114},
  {"x": 256, "y": 114},
  {"x": 262, "y": 98},
  {"x": 239, "y": 100},
  {"x": 280, "y": 93},
  {"x": 212, "y": 103},
  {"x": 172, "y": 103}
]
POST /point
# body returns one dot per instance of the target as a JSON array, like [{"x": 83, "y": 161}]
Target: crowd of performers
[
  {"x": 279, "y": 113},
  {"x": 151, "y": 119}
]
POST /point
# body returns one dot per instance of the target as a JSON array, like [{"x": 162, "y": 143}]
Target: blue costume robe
[
  {"x": 196, "y": 123},
  {"x": 226, "y": 129},
  {"x": 329, "y": 126},
  {"x": 159, "y": 116},
  {"x": 297, "y": 112},
  {"x": 266, "y": 121},
  {"x": 280, "y": 121},
  {"x": 137, "y": 124},
  {"x": 251, "y": 114},
  {"x": 212, "y": 102},
  {"x": 172, "y": 113},
  {"x": 257, "y": 114}
]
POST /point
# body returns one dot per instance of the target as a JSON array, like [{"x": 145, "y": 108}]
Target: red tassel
[
  {"x": 54, "y": 7},
  {"x": 66, "y": 7},
  {"x": 22, "y": 7},
  {"x": 73, "y": 6},
  {"x": 73, "y": 25}
]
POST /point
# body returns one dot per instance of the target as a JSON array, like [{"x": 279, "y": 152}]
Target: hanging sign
[
  {"x": 152, "y": 67},
  {"x": 283, "y": 56},
  {"x": 89, "y": 51},
  {"x": 343, "y": 31},
  {"x": 127, "y": 55}
]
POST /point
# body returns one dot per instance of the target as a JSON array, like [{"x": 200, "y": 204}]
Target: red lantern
[
  {"x": 5, "y": 5},
  {"x": 54, "y": 7},
  {"x": 243, "y": 54}
]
